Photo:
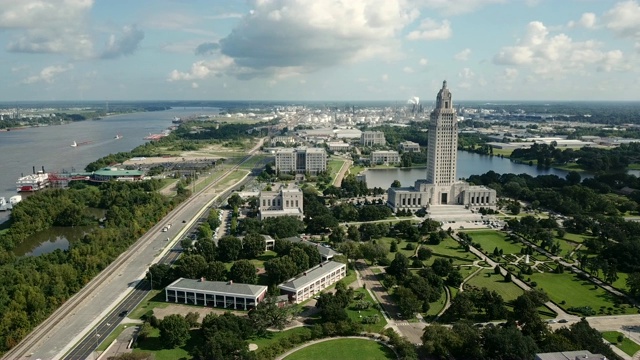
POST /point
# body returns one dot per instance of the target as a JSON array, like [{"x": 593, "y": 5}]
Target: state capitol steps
[{"x": 452, "y": 213}]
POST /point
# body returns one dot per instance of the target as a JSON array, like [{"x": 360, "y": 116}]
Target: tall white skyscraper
[
  {"x": 441, "y": 187},
  {"x": 443, "y": 141}
]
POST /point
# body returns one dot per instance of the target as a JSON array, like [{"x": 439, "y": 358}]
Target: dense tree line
[
  {"x": 521, "y": 337},
  {"x": 595, "y": 160},
  {"x": 33, "y": 287},
  {"x": 394, "y": 135}
]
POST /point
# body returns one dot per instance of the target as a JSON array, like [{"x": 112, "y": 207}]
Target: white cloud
[
  {"x": 194, "y": 85},
  {"x": 47, "y": 26},
  {"x": 448, "y": 7},
  {"x": 124, "y": 44},
  {"x": 624, "y": 19},
  {"x": 431, "y": 30},
  {"x": 587, "y": 20},
  {"x": 549, "y": 56},
  {"x": 308, "y": 36},
  {"x": 408, "y": 69},
  {"x": 463, "y": 55},
  {"x": 48, "y": 74},
  {"x": 423, "y": 62},
  {"x": 224, "y": 16},
  {"x": 466, "y": 74},
  {"x": 385, "y": 77}
]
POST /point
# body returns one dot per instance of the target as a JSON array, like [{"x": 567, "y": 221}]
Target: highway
[
  {"x": 108, "y": 324},
  {"x": 86, "y": 310}
]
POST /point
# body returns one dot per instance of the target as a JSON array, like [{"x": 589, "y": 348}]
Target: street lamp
[{"x": 97, "y": 337}]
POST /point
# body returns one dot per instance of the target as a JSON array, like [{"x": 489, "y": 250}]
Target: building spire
[{"x": 444, "y": 84}]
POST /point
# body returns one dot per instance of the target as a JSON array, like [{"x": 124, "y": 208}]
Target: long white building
[
  {"x": 440, "y": 186},
  {"x": 313, "y": 281}
]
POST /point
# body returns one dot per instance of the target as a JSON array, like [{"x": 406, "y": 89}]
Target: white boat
[
  {"x": 33, "y": 182},
  {"x": 4, "y": 205},
  {"x": 15, "y": 199},
  {"x": 74, "y": 144},
  {"x": 118, "y": 137}
]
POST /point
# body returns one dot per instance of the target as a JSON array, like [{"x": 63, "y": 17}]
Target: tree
[
  {"x": 393, "y": 247},
  {"x": 269, "y": 315},
  {"x": 300, "y": 258},
  {"x": 280, "y": 269},
  {"x": 253, "y": 245},
  {"x": 373, "y": 252},
  {"x": 229, "y": 248},
  {"x": 222, "y": 345},
  {"x": 442, "y": 267},
  {"x": 207, "y": 248},
  {"x": 174, "y": 331},
  {"x": 399, "y": 267},
  {"x": 350, "y": 249},
  {"x": 204, "y": 231},
  {"x": 216, "y": 271},
  {"x": 191, "y": 266},
  {"x": 462, "y": 305},
  {"x": 396, "y": 184},
  {"x": 507, "y": 343},
  {"x": 162, "y": 275},
  {"x": 244, "y": 272},
  {"x": 633, "y": 284},
  {"x": 437, "y": 341},
  {"x": 353, "y": 233},
  {"x": 235, "y": 201},
  {"x": 424, "y": 253}
]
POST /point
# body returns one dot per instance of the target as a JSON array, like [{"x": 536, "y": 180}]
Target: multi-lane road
[{"x": 89, "y": 316}]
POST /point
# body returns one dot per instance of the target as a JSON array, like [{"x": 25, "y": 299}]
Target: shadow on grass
[{"x": 155, "y": 343}]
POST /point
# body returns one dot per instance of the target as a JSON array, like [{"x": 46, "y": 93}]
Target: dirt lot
[{"x": 160, "y": 313}]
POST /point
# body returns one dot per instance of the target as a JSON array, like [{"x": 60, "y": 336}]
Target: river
[
  {"x": 468, "y": 164},
  {"x": 49, "y": 146}
]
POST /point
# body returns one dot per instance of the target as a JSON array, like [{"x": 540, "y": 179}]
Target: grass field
[
  {"x": 490, "y": 239},
  {"x": 358, "y": 315},
  {"x": 386, "y": 241},
  {"x": 436, "y": 306},
  {"x": 344, "y": 349},
  {"x": 155, "y": 299},
  {"x": 274, "y": 336},
  {"x": 577, "y": 293},
  {"x": 627, "y": 345},
  {"x": 486, "y": 278},
  {"x": 504, "y": 152},
  {"x": 450, "y": 249},
  {"x": 576, "y": 238},
  {"x": 566, "y": 246},
  {"x": 335, "y": 165}
]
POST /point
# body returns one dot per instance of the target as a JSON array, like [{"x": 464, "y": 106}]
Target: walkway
[{"x": 343, "y": 170}]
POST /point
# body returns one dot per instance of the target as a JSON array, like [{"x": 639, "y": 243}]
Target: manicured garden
[
  {"x": 372, "y": 311},
  {"x": 494, "y": 282},
  {"x": 627, "y": 345},
  {"x": 450, "y": 249},
  {"x": 491, "y": 239},
  {"x": 568, "y": 291},
  {"x": 154, "y": 344},
  {"x": 344, "y": 349}
]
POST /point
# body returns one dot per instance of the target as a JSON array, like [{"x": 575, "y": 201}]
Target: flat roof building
[
  {"x": 326, "y": 252},
  {"x": 221, "y": 294},
  {"x": 283, "y": 201},
  {"x": 301, "y": 160},
  {"x": 370, "y": 138},
  {"x": 312, "y": 281},
  {"x": 570, "y": 355},
  {"x": 409, "y": 146},
  {"x": 387, "y": 157}
]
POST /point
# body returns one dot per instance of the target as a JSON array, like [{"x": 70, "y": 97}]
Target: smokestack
[
  {"x": 43, "y": 169},
  {"x": 34, "y": 169}
]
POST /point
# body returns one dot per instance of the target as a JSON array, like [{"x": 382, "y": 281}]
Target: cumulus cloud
[
  {"x": 300, "y": 37},
  {"x": 408, "y": 69},
  {"x": 431, "y": 30},
  {"x": 423, "y": 62},
  {"x": 47, "y": 26},
  {"x": 48, "y": 74},
  {"x": 624, "y": 20},
  {"x": 463, "y": 55},
  {"x": 126, "y": 43},
  {"x": 550, "y": 55},
  {"x": 207, "y": 48},
  {"x": 587, "y": 20}
]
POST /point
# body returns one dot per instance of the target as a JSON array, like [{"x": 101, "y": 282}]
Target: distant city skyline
[{"x": 319, "y": 50}]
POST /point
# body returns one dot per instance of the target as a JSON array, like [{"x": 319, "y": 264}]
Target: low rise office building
[
  {"x": 301, "y": 160},
  {"x": 282, "y": 201},
  {"x": 313, "y": 281},
  {"x": 409, "y": 146},
  {"x": 220, "y": 294},
  {"x": 386, "y": 157},
  {"x": 370, "y": 138}
]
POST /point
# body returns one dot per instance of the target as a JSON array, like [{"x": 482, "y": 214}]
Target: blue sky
[{"x": 319, "y": 49}]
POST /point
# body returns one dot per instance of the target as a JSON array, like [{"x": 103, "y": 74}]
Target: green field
[
  {"x": 386, "y": 241},
  {"x": 486, "y": 278},
  {"x": 627, "y": 345},
  {"x": 344, "y": 349},
  {"x": 274, "y": 336},
  {"x": 335, "y": 165},
  {"x": 450, "y": 249},
  {"x": 155, "y": 299},
  {"x": 490, "y": 239},
  {"x": 436, "y": 306},
  {"x": 574, "y": 292},
  {"x": 358, "y": 315}
]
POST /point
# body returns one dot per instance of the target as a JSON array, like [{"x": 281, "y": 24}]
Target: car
[
  {"x": 124, "y": 313},
  {"x": 184, "y": 221},
  {"x": 563, "y": 321},
  {"x": 552, "y": 321},
  {"x": 399, "y": 315}
]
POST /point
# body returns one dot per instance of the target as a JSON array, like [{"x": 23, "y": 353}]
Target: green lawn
[
  {"x": 450, "y": 249},
  {"x": 155, "y": 299},
  {"x": 566, "y": 246},
  {"x": 344, "y": 349},
  {"x": 386, "y": 241},
  {"x": 577, "y": 238},
  {"x": 505, "y": 152},
  {"x": 358, "y": 315},
  {"x": 486, "y": 278},
  {"x": 274, "y": 336},
  {"x": 627, "y": 345},
  {"x": 114, "y": 334},
  {"x": 334, "y": 166},
  {"x": 259, "y": 262},
  {"x": 154, "y": 345},
  {"x": 490, "y": 239},
  {"x": 436, "y": 306},
  {"x": 577, "y": 293}
]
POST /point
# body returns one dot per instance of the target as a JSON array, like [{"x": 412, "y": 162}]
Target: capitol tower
[{"x": 441, "y": 186}]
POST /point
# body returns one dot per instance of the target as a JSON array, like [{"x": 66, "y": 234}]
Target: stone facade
[
  {"x": 301, "y": 160},
  {"x": 385, "y": 157},
  {"x": 284, "y": 201},
  {"x": 370, "y": 138},
  {"x": 409, "y": 146}
]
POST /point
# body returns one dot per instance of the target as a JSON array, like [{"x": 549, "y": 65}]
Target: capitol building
[{"x": 440, "y": 186}]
